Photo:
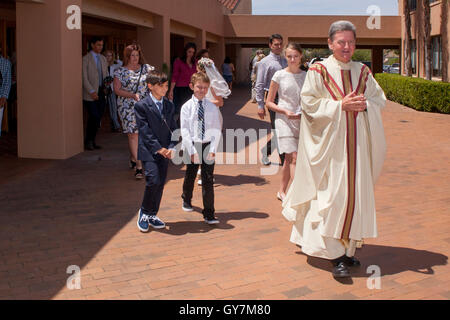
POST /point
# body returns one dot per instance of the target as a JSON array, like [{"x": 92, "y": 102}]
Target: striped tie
[
  {"x": 201, "y": 121},
  {"x": 159, "y": 105}
]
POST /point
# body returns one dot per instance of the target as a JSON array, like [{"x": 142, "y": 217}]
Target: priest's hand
[{"x": 353, "y": 102}]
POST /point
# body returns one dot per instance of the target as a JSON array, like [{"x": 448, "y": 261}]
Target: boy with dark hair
[
  {"x": 201, "y": 131},
  {"x": 154, "y": 117}
]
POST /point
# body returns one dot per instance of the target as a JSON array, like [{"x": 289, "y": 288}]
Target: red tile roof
[{"x": 230, "y": 4}]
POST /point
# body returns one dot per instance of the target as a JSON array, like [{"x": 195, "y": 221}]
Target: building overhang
[
  {"x": 116, "y": 11},
  {"x": 309, "y": 29}
]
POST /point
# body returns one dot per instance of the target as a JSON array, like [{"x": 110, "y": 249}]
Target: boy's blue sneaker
[
  {"x": 156, "y": 222},
  {"x": 142, "y": 221}
]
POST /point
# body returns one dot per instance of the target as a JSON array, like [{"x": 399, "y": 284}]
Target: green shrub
[{"x": 417, "y": 93}]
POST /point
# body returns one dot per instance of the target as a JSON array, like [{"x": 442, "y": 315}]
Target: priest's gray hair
[{"x": 341, "y": 25}]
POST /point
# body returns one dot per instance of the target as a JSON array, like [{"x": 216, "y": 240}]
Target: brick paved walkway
[{"x": 82, "y": 212}]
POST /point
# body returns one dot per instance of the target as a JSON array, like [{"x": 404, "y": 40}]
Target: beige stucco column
[
  {"x": 200, "y": 40},
  {"x": 217, "y": 52},
  {"x": 50, "y": 118},
  {"x": 155, "y": 41},
  {"x": 243, "y": 60}
]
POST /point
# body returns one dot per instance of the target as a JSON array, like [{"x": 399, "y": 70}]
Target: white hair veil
[{"x": 218, "y": 83}]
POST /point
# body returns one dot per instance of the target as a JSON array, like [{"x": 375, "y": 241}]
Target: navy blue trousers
[{"x": 155, "y": 177}]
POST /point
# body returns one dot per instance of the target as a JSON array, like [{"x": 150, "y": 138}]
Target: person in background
[
  {"x": 259, "y": 56},
  {"x": 183, "y": 69},
  {"x": 130, "y": 86},
  {"x": 228, "y": 71},
  {"x": 255, "y": 59},
  {"x": 287, "y": 83},
  {"x": 111, "y": 96},
  {"x": 204, "y": 53},
  {"x": 12, "y": 100},
  {"x": 94, "y": 99},
  {"x": 218, "y": 89},
  {"x": 266, "y": 69},
  {"x": 5, "y": 86}
]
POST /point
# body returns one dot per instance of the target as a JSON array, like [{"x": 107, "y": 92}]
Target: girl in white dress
[{"x": 287, "y": 83}]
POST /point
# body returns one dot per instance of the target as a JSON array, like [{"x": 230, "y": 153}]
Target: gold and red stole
[{"x": 338, "y": 94}]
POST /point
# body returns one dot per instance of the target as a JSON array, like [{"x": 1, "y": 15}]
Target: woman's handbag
[
  {"x": 139, "y": 80},
  {"x": 107, "y": 85}
]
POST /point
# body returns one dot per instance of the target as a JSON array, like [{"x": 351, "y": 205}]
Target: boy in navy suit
[{"x": 155, "y": 120}]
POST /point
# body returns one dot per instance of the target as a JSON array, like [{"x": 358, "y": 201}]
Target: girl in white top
[{"x": 288, "y": 84}]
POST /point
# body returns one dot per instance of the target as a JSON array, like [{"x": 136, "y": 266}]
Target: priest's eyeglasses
[{"x": 344, "y": 43}]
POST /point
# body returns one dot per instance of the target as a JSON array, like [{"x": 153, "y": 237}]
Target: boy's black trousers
[{"x": 207, "y": 176}]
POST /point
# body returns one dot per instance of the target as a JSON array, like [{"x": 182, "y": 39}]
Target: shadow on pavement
[
  {"x": 390, "y": 260},
  {"x": 185, "y": 227},
  {"x": 60, "y": 213},
  {"x": 239, "y": 180}
]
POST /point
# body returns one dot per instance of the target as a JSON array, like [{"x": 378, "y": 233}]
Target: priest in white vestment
[{"x": 340, "y": 155}]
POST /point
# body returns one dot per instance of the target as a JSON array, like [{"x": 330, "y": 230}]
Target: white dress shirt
[
  {"x": 156, "y": 101},
  {"x": 189, "y": 125}
]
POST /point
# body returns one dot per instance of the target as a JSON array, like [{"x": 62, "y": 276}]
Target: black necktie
[{"x": 201, "y": 120}]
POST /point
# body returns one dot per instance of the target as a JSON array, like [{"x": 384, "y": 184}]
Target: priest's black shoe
[
  {"x": 352, "y": 262},
  {"x": 341, "y": 271}
]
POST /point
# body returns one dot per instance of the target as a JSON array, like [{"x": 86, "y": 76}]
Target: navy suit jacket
[{"x": 154, "y": 132}]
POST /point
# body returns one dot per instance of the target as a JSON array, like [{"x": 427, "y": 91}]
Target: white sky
[{"x": 323, "y": 7}]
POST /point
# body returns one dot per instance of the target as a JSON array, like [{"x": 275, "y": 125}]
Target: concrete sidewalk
[{"x": 82, "y": 212}]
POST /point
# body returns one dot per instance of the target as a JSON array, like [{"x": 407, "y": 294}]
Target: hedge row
[{"x": 420, "y": 94}]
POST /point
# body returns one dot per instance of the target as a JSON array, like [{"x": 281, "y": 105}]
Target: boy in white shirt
[{"x": 201, "y": 131}]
